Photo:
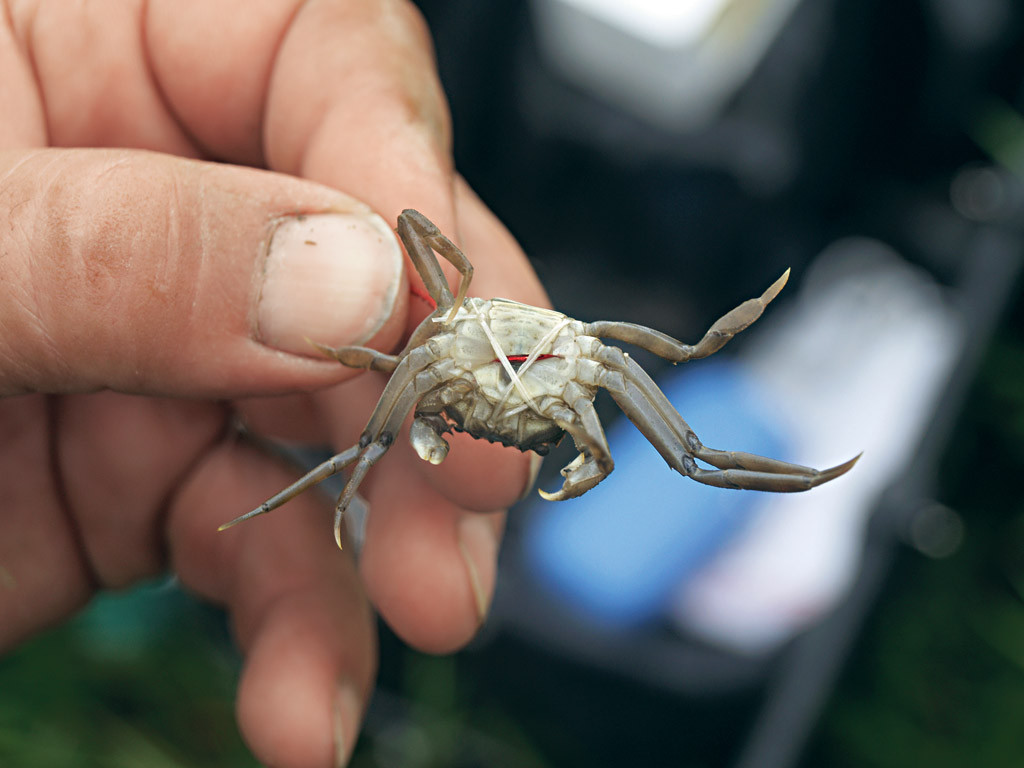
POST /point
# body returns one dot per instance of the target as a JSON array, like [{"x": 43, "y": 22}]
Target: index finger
[{"x": 344, "y": 93}]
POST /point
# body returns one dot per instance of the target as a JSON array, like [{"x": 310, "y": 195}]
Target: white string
[
  {"x": 534, "y": 355},
  {"x": 444, "y": 318},
  {"x": 506, "y": 364}
]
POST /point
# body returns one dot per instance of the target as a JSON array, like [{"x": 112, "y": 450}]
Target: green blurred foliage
[
  {"x": 441, "y": 721},
  {"x": 134, "y": 681}
]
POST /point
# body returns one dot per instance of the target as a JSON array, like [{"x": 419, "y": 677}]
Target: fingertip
[
  {"x": 301, "y": 695},
  {"x": 480, "y": 476},
  {"x": 429, "y": 566},
  {"x": 332, "y": 277}
]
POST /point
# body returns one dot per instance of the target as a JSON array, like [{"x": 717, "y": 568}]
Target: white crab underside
[{"x": 518, "y": 355}]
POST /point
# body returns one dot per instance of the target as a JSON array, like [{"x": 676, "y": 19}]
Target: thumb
[{"x": 147, "y": 273}]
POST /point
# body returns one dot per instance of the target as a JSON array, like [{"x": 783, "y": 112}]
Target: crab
[{"x": 525, "y": 376}]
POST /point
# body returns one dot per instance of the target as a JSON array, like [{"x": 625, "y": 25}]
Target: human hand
[{"x": 149, "y": 298}]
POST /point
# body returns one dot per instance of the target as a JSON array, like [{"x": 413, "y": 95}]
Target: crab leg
[
  {"x": 421, "y": 237},
  {"x": 369, "y": 359},
  {"x": 647, "y": 407},
  {"x": 318, "y": 474},
  {"x": 674, "y": 350},
  {"x": 393, "y": 408},
  {"x": 594, "y": 462},
  {"x": 410, "y": 378},
  {"x": 360, "y": 357}
]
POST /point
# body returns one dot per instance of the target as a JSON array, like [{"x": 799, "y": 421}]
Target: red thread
[
  {"x": 522, "y": 358},
  {"x": 422, "y": 295}
]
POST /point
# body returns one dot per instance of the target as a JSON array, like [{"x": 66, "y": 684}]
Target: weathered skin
[{"x": 524, "y": 376}]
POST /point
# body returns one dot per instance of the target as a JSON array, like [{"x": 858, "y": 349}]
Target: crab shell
[{"x": 547, "y": 352}]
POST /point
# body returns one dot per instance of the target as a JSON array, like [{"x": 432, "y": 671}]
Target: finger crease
[
  {"x": 26, "y": 52},
  {"x": 163, "y": 509},
  {"x": 64, "y": 499},
  {"x": 147, "y": 63},
  {"x": 276, "y": 53}
]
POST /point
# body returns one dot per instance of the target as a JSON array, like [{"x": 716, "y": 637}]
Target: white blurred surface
[
  {"x": 671, "y": 63},
  {"x": 660, "y": 22}
]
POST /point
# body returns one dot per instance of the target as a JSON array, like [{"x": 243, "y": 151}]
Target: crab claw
[
  {"x": 428, "y": 443},
  {"x": 581, "y": 474}
]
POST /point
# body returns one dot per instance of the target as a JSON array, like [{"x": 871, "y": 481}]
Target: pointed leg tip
[
  {"x": 339, "y": 520},
  {"x": 321, "y": 348},
  {"x": 242, "y": 518},
  {"x": 776, "y": 287},
  {"x": 233, "y": 523},
  {"x": 839, "y": 469},
  {"x": 848, "y": 465}
]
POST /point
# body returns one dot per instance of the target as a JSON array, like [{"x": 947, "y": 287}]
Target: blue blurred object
[{"x": 617, "y": 554}]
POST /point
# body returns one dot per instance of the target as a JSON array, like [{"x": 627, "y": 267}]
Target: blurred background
[{"x": 662, "y": 162}]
